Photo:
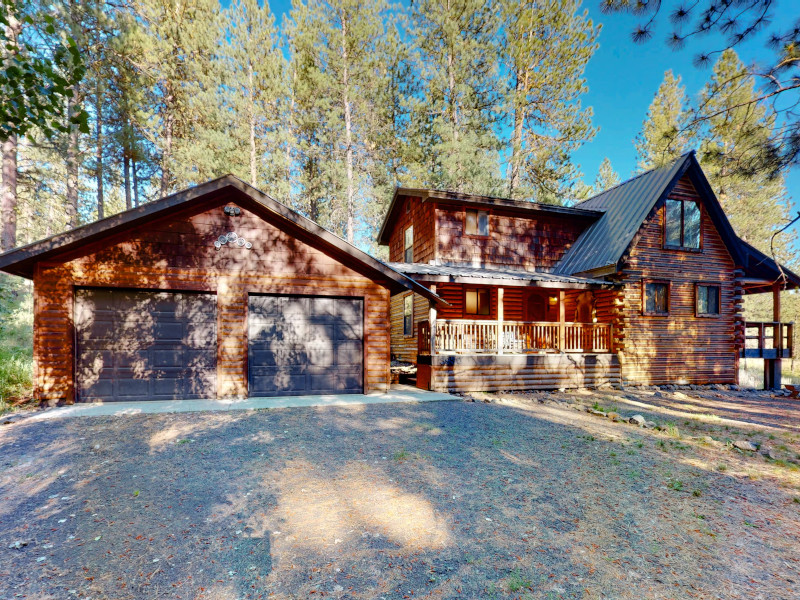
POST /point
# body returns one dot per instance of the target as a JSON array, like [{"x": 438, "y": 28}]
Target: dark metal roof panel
[{"x": 625, "y": 208}]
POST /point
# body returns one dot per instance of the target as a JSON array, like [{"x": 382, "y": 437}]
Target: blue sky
[{"x": 623, "y": 77}]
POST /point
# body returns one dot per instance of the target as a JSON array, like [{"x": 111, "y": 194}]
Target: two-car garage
[
  {"x": 156, "y": 345},
  {"x": 151, "y": 304}
]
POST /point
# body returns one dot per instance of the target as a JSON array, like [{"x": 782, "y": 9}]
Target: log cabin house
[
  {"x": 642, "y": 284},
  {"x": 219, "y": 291}
]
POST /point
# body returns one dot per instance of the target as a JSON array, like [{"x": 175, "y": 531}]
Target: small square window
[
  {"x": 408, "y": 315},
  {"x": 476, "y": 222},
  {"x": 476, "y": 302},
  {"x": 408, "y": 245},
  {"x": 708, "y": 300},
  {"x": 656, "y": 298}
]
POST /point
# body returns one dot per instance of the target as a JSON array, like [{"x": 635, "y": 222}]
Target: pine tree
[
  {"x": 178, "y": 45},
  {"x": 457, "y": 113},
  {"x": 735, "y": 130},
  {"x": 254, "y": 94},
  {"x": 606, "y": 178},
  {"x": 664, "y": 136},
  {"x": 546, "y": 47},
  {"x": 338, "y": 70}
]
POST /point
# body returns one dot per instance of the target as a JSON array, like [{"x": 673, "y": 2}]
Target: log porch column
[
  {"x": 432, "y": 322},
  {"x": 562, "y": 318},
  {"x": 772, "y": 367},
  {"x": 499, "y": 320}
]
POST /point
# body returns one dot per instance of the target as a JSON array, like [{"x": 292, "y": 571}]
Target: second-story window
[
  {"x": 408, "y": 247},
  {"x": 476, "y": 222},
  {"x": 682, "y": 224}
]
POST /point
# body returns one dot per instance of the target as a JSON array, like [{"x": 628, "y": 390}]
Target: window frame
[
  {"x": 682, "y": 247},
  {"x": 408, "y": 247},
  {"x": 408, "y": 325},
  {"x": 665, "y": 282},
  {"x": 477, "y": 212},
  {"x": 478, "y": 315},
  {"x": 703, "y": 315}
]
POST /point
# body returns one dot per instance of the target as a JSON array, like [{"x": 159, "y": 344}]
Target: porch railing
[
  {"x": 513, "y": 337},
  {"x": 768, "y": 339}
]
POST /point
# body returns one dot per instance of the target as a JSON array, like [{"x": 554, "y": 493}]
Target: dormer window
[
  {"x": 408, "y": 247},
  {"x": 682, "y": 224},
  {"x": 476, "y": 222}
]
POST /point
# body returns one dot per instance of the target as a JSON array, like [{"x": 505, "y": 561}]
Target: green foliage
[
  {"x": 545, "y": 47},
  {"x": 41, "y": 64},
  {"x": 664, "y": 136},
  {"x": 606, "y": 177},
  {"x": 16, "y": 338}
]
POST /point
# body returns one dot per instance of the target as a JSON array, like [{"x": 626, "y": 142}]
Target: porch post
[
  {"x": 432, "y": 322},
  {"x": 562, "y": 318},
  {"x": 499, "y": 320},
  {"x": 772, "y": 367}
]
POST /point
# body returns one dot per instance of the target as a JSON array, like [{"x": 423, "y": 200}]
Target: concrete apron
[{"x": 98, "y": 409}]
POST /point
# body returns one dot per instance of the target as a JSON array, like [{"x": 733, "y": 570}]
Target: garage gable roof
[{"x": 21, "y": 261}]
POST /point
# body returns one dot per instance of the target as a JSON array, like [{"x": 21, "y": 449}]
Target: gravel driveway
[{"x": 511, "y": 499}]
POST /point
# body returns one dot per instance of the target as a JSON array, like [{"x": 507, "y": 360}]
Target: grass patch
[
  {"x": 517, "y": 582},
  {"x": 16, "y": 340},
  {"x": 401, "y": 455}
]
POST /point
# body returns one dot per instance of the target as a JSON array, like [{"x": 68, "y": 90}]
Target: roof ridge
[{"x": 635, "y": 177}]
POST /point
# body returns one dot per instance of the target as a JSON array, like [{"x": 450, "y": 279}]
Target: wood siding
[
  {"x": 177, "y": 252},
  {"x": 530, "y": 372},
  {"x": 413, "y": 211},
  {"x": 518, "y": 241},
  {"x": 681, "y": 347},
  {"x": 404, "y": 347}
]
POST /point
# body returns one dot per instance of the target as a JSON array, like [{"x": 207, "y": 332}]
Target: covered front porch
[{"x": 501, "y": 330}]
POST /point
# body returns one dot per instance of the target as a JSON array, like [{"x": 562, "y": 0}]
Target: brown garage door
[
  {"x": 305, "y": 345},
  {"x": 133, "y": 345}
]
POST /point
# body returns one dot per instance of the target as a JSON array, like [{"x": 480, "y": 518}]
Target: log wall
[
  {"x": 470, "y": 373},
  {"x": 176, "y": 253},
  {"x": 535, "y": 241},
  {"x": 681, "y": 347}
]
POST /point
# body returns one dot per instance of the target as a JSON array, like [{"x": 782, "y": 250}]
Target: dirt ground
[{"x": 524, "y": 496}]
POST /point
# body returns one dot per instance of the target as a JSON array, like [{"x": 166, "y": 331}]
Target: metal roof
[
  {"x": 21, "y": 261},
  {"x": 625, "y": 207},
  {"x": 492, "y": 276},
  {"x": 478, "y": 200}
]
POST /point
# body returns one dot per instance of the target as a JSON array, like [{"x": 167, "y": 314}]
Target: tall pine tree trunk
[
  {"x": 516, "y": 140},
  {"x": 73, "y": 139},
  {"x": 166, "y": 155},
  {"x": 252, "y": 124},
  {"x": 126, "y": 172},
  {"x": 135, "y": 182},
  {"x": 8, "y": 186},
  {"x": 8, "y": 197},
  {"x": 348, "y": 127},
  {"x": 72, "y": 162},
  {"x": 99, "y": 148}
]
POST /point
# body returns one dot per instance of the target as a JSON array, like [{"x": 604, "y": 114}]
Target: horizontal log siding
[
  {"x": 531, "y": 372},
  {"x": 517, "y": 241},
  {"x": 681, "y": 347},
  {"x": 404, "y": 347},
  {"x": 178, "y": 254},
  {"x": 420, "y": 215}
]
